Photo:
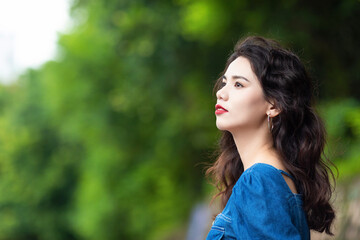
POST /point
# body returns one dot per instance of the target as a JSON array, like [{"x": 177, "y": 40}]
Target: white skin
[{"x": 246, "y": 116}]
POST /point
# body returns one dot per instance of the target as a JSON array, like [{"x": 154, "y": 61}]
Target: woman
[{"x": 273, "y": 181}]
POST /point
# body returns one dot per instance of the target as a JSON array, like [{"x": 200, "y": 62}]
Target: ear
[{"x": 272, "y": 109}]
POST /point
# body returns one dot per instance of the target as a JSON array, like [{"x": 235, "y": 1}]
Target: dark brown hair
[{"x": 298, "y": 132}]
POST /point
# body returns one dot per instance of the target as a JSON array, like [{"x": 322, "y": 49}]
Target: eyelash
[{"x": 224, "y": 83}]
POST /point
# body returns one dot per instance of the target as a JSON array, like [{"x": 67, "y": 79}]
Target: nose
[{"x": 222, "y": 94}]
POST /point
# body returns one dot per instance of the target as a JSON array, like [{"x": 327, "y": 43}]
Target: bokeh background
[{"x": 109, "y": 140}]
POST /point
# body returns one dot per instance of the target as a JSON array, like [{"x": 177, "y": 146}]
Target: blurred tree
[
  {"x": 342, "y": 118},
  {"x": 37, "y": 174}
]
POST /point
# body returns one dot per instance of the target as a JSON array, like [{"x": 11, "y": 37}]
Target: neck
[{"x": 256, "y": 146}]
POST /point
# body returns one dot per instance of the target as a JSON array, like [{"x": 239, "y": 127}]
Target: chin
[{"x": 221, "y": 126}]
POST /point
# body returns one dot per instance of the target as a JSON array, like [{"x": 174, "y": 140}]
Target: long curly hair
[{"x": 298, "y": 132}]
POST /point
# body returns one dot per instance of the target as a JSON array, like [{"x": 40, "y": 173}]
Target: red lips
[{"x": 219, "y": 109}]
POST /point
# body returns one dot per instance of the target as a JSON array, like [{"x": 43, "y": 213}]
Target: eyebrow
[{"x": 236, "y": 77}]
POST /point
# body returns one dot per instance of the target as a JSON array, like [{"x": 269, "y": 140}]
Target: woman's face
[{"x": 242, "y": 97}]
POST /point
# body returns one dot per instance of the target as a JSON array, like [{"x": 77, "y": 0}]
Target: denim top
[{"x": 261, "y": 206}]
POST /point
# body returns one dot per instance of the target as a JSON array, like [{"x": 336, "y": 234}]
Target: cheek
[
  {"x": 257, "y": 103},
  {"x": 254, "y": 105}
]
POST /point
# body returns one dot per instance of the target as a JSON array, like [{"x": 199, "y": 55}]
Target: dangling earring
[{"x": 270, "y": 123}]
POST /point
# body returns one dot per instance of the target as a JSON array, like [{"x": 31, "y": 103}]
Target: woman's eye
[
  {"x": 237, "y": 84},
  {"x": 222, "y": 84}
]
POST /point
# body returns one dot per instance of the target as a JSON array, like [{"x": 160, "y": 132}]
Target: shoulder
[
  {"x": 261, "y": 205},
  {"x": 259, "y": 172},
  {"x": 260, "y": 179},
  {"x": 259, "y": 189}
]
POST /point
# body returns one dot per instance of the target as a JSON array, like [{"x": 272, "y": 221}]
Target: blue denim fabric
[{"x": 261, "y": 206}]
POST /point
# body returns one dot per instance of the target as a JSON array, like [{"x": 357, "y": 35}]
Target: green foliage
[
  {"x": 204, "y": 21},
  {"x": 37, "y": 173},
  {"x": 106, "y": 141},
  {"x": 342, "y": 121}
]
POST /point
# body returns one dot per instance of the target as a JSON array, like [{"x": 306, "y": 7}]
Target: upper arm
[{"x": 263, "y": 214}]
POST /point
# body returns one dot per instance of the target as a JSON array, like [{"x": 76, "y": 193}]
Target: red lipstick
[{"x": 219, "y": 109}]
